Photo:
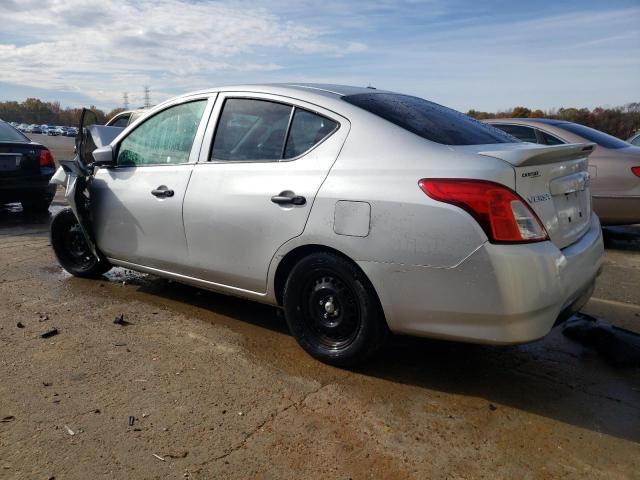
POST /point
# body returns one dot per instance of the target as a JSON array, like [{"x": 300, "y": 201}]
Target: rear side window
[
  {"x": 121, "y": 121},
  {"x": 429, "y": 120},
  {"x": 526, "y": 134},
  {"x": 592, "y": 135},
  {"x": 261, "y": 130},
  {"x": 307, "y": 129},
  {"x": 550, "y": 139},
  {"x": 10, "y": 134}
]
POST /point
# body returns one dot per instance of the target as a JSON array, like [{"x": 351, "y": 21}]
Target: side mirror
[{"x": 104, "y": 157}]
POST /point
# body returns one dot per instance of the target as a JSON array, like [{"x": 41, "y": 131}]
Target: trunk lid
[
  {"x": 554, "y": 181},
  {"x": 18, "y": 159}
]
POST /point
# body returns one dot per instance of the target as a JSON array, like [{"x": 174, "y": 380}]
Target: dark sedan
[{"x": 25, "y": 170}]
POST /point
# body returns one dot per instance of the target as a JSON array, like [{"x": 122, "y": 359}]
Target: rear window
[
  {"x": 603, "y": 139},
  {"x": 429, "y": 120},
  {"x": 10, "y": 134}
]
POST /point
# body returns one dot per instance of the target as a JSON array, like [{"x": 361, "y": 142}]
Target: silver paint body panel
[{"x": 430, "y": 263}]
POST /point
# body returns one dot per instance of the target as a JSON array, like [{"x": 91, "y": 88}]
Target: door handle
[
  {"x": 290, "y": 199},
  {"x": 162, "y": 192}
]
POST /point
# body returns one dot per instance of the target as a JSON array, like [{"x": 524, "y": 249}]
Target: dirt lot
[{"x": 217, "y": 388}]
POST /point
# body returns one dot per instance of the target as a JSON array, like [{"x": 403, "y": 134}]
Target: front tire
[
  {"x": 71, "y": 248},
  {"x": 333, "y": 311}
]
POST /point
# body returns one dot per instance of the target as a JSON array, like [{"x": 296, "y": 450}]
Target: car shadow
[
  {"x": 14, "y": 220},
  {"x": 625, "y": 237},
  {"x": 554, "y": 377}
]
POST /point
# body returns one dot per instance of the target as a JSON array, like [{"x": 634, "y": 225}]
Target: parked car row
[{"x": 52, "y": 130}]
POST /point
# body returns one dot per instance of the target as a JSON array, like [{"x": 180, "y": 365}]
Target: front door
[
  {"x": 137, "y": 205},
  {"x": 253, "y": 189}
]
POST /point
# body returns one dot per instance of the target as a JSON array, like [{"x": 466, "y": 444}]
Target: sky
[{"x": 488, "y": 55}]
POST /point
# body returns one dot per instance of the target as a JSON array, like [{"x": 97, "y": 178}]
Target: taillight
[
  {"x": 46, "y": 159},
  {"x": 502, "y": 213},
  {"x": 636, "y": 171}
]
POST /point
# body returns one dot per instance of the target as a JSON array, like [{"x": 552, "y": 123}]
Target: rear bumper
[
  {"x": 15, "y": 189},
  {"x": 500, "y": 294}
]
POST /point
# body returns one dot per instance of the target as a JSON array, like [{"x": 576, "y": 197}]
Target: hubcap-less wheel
[
  {"x": 71, "y": 248},
  {"x": 331, "y": 310},
  {"x": 77, "y": 247}
]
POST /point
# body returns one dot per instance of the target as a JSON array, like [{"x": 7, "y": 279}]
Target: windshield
[
  {"x": 429, "y": 120},
  {"x": 603, "y": 139},
  {"x": 10, "y": 134}
]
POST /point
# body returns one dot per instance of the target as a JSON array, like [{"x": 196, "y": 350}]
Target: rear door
[
  {"x": 255, "y": 183},
  {"x": 137, "y": 205}
]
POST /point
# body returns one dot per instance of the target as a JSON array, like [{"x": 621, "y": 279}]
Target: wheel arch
[{"x": 295, "y": 255}]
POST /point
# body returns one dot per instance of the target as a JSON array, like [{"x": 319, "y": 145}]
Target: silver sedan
[{"x": 359, "y": 211}]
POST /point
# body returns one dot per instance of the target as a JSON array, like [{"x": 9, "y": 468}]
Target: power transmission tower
[
  {"x": 147, "y": 100},
  {"x": 125, "y": 100}
]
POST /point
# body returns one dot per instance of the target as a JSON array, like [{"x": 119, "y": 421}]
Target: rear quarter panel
[{"x": 381, "y": 164}]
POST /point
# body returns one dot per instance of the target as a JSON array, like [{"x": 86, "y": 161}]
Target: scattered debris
[
  {"x": 20, "y": 325},
  {"x": 621, "y": 347},
  {"x": 69, "y": 431},
  {"x": 492, "y": 407},
  {"x": 7, "y": 419},
  {"x": 50, "y": 333},
  {"x": 176, "y": 455},
  {"x": 132, "y": 420},
  {"x": 119, "y": 320},
  {"x": 158, "y": 457}
]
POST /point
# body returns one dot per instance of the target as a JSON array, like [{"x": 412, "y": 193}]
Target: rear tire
[
  {"x": 71, "y": 248},
  {"x": 333, "y": 311}
]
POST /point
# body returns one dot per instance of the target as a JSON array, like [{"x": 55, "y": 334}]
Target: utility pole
[
  {"x": 147, "y": 100},
  {"x": 125, "y": 100}
]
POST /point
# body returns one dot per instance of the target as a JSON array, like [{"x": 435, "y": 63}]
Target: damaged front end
[{"x": 76, "y": 175}]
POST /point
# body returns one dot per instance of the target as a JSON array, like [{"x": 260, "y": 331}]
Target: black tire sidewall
[
  {"x": 60, "y": 225},
  {"x": 373, "y": 327}
]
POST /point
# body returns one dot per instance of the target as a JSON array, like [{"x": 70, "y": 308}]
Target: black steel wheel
[
  {"x": 332, "y": 310},
  {"x": 71, "y": 248}
]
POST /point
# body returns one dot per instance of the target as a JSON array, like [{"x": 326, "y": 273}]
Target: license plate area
[
  {"x": 9, "y": 162},
  {"x": 573, "y": 208}
]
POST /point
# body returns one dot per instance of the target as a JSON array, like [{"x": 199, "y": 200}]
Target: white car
[{"x": 358, "y": 211}]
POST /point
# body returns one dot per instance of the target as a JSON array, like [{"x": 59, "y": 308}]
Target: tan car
[{"x": 614, "y": 166}]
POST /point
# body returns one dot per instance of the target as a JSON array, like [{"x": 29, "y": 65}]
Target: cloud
[
  {"x": 104, "y": 48},
  {"x": 462, "y": 53}
]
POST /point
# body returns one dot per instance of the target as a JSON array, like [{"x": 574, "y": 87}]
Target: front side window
[
  {"x": 526, "y": 134},
  {"x": 261, "y": 130},
  {"x": 165, "y": 138}
]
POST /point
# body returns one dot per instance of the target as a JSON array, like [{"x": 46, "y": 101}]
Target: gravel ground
[{"x": 217, "y": 388}]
